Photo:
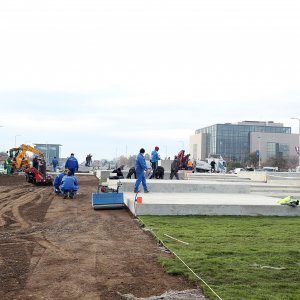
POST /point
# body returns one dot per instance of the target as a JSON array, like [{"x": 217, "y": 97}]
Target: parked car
[{"x": 238, "y": 170}]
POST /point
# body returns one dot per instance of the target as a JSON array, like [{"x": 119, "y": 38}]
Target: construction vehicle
[
  {"x": 204, "y": 165},
  {"x": 36, "y": 177},
  {"x": 19, "y": 159}
]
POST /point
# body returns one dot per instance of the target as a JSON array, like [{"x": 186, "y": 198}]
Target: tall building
[
  {"x": 236, "y": 141},
  {"x": 50, "y": 150}
]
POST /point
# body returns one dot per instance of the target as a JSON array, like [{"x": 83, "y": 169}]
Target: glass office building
[
  {"x": 50, "y": 150},
  {"x": 236, "y": 141}
]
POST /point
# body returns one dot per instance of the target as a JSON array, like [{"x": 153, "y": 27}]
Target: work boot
[
  {"x": 65, "y": 195},
  {"x": 146, "y": 191},
  {"x": 71, "y": 195}
]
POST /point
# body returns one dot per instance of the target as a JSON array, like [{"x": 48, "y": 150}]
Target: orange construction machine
[{"x": 19, "y": 159}]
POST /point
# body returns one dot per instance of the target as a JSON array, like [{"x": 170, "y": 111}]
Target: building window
[
  {"x": 284, "y": 150},
  {"x": 271, "y": 150},
  {"x": 278, "y": 150}
]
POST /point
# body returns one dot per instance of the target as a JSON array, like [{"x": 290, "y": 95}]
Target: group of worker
[
  {"x": 66, "y": 183},
  {"x": 180, "y": 161}
]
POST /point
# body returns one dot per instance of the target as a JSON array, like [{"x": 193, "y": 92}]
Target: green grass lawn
[{"x": 238, "y": 257}]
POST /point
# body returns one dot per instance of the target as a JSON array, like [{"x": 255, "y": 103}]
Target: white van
[{"x": 270, "y": 169}]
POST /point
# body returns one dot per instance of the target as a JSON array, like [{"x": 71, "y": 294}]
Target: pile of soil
[{"x": 55, "y": 248}]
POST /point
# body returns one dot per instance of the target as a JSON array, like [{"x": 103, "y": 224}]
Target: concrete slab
[
  {"x": 207, "y": 204},
  {"x": 188, "y": 186}
]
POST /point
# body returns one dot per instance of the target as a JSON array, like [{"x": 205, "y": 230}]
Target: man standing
[
  {"x": 72, "y": 164},
  {"x": 54, "y": 163},
  {"x": 213, "y": 166},
  {"x": 140, "y": 168},
  {"x": 35, "y": 162},
  {"x": 174, "y": 168},
  {"x": 154, "y": 161},
  {"x": 7, "y": 166}
]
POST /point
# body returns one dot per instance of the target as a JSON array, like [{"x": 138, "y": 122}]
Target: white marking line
[
  {"x": 197, "y": 276},
  {"x": 175, "y": 239},
  {"x": 183, "y": 262}
]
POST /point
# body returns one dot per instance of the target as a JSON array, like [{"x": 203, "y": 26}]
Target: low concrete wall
[
  {"x": 254, "y": 176},
  {"x": 212, "y": 210},
  {"x": 270, "y": 176},
  {"x": 185, "y": 186}
]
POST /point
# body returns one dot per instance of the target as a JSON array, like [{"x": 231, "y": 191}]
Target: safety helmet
[{"x": 156, "y": 148}]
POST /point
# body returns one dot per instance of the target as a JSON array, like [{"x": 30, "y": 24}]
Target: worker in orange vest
[{"x": 190, "y": 165}]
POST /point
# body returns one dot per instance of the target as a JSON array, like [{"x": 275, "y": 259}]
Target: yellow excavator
[{"x": 19, "y": 160}]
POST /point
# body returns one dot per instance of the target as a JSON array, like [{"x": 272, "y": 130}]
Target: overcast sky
[{"x": 109, "y": 77}]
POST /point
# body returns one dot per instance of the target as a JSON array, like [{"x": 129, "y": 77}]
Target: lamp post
[
  {"x": 259, "y": 156},
  {"x": 299, "y": 139},
  {"x": 16, "y": 139}
]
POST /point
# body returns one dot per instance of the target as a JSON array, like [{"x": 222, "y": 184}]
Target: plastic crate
[{"x": 107, "y": 200}]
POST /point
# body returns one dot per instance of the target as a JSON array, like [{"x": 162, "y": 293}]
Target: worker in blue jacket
[
  {"x": 140, "y": 168},
  {"x": 72, "y": 164},
  {"x": 69, "y": 185},
  {"x": 58, "y": 179},
  {"x": 155, "y": 157}
]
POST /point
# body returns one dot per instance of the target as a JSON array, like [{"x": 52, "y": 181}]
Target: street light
[
  {"x": 299, "y": 139},
  {"x": 16, "y": 139},
  {"x": 259, "y": 159}
]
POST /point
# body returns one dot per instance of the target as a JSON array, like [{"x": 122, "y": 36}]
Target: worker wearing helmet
[{"x": 154, "y": 161}]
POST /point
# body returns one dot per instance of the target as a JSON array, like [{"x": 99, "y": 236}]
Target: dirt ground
[{"x": 54, "y": 248}]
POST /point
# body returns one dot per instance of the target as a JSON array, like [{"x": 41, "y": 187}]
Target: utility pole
[{"x": 259, "y": 155}]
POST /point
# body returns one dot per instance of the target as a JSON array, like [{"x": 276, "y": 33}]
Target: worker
[
  {"x": 180, "y": 157},
  {"x": 160, "y": 172},
  {"x": 88, "y": 160},
  {"x": 42, "y": 166},
  {"x": 35, "y": 162},
  {"x": 118, "y": 174},
  {"x": 213, "y": 166},
  {"x": 69, "y": 185},
  {"x": 72, "y": 164},
  {"x": 175, "y": 165},
  {"x": 58, "y": 179},
  {"x": 54, "y": 163},
  {"x": 140, "y": 168},
  {"x": 131, "y": 172},
  {"x": 7, "y": 166},
  {"x": 154, "y": 161},
  {"x": 189, "y": 165}
]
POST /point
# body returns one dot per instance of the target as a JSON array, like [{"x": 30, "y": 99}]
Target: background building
[
  {"x": 50, "y": 150},
  {"x": 236, "y": 141}
]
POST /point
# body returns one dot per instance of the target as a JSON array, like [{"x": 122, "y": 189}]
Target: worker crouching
[
  {"x": 69, "y": 186},
  {"x": 57, "y": 181}
]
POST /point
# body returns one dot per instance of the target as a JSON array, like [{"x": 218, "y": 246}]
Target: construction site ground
[{"x": 54, "y": 248}]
